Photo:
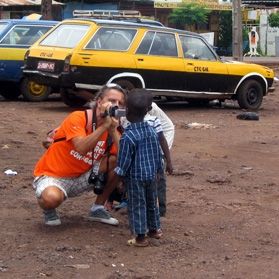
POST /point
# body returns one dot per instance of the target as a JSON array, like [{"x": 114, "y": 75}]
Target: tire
[
  {"x": 10, "y": 91},
  {"x": 250, "y": 95},
  {"x": 33, "y": 91},
  {"x": 248, "y": 116},
  {"x": 71, "y": 100},
  {"x": 125, "y": 84}
]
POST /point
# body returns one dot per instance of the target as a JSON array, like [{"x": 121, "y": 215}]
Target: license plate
[{"x": 46, "y": 66}]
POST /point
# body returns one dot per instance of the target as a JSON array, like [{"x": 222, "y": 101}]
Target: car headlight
[{"x": 67, "y": 65}]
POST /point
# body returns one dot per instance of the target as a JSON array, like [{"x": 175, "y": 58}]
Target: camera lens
[
  {"x": 91, "y": 178},
  {"x": 99, "y": 184}
]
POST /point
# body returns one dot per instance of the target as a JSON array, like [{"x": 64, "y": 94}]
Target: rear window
[
  {"x": 65, "y": 35},
  {"x": 112, "y": 39},
  {"x": 24, "y": 35}
]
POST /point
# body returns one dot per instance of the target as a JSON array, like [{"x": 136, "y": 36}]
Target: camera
[
  {"x": 115, "y": 111},
  {"x": 98, "y": 181}
]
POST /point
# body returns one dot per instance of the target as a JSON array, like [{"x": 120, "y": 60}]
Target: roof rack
[{"x": 107, "y": 14}]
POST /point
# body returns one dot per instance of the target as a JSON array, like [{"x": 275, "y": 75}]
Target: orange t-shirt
[{"x": 61, "y": 159}]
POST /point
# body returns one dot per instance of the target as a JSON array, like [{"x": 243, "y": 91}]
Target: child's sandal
[
  {"x": 134, "y": 242},
  {"x": 155, "y": 234}
]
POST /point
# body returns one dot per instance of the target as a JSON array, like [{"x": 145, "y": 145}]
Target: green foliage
[
  {"x": 273, "y": 20},
  {"x": 189, "y": 14},
  {"x": 225, "y": 29},
  {"x": 260, "y": 51},
  {"x": 225, "y": 33}
]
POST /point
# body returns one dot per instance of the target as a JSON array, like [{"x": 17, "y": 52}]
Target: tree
[
  {"x": 273, "y": 20},
  {"x": 188, "y": 14},
  {"x": 46, "y": 9},
  {"x": 225, "y": 29}
]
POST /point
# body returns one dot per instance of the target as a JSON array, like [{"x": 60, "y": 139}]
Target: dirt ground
[{"x": 223, "y": 202}]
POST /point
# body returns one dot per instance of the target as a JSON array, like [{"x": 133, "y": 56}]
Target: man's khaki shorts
[{"x": 71, "y": 187}]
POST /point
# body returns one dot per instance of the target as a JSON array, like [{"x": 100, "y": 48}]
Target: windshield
[
  {"x": 65, "y": 35},
  {"x": 3, "y": 25}
]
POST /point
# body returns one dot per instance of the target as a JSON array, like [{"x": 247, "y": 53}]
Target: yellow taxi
[{"x": 82, "y": 54}]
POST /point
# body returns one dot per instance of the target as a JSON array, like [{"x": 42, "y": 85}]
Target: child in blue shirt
[
  {"x": 139, "y": 162},
  {"x": 164, "y": 127}
]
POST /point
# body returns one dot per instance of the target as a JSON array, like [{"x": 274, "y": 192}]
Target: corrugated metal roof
[
  {"x": 4, "y": 3},
  {"x": 261, "y": 2}
]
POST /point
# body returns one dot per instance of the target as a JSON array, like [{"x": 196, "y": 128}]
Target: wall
[
  {"x": 68, "y": 10},
  {"x": 268, "y": 36}
]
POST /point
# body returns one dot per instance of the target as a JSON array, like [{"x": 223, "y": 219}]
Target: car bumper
[
  {"x": 50, "y": 79},
  {"x": 275, "y": 83}
]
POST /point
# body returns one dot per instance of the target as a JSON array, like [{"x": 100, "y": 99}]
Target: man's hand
[
  {"x": 114, "y": 124},
  {"x": 111, "y": 123},
  {"x": 108, "y": 120}
]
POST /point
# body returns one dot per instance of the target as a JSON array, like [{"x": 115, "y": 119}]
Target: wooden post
[{"x": 237, "y": 30}]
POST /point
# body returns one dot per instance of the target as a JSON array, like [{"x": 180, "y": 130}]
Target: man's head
[
  {"x": 112, "y": 93},
  {"x": 138, "y": 103}
]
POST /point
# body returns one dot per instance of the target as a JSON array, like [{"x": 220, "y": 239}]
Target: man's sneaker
[
  {"x": 101, "y": 215},
  {"x": 51, "y": 217}
]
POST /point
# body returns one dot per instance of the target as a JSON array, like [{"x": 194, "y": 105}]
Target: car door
[
  {"x": 158, "y": 62},
  {"x": 13, "y": 47},
  {"x": 203, "y": 70}
]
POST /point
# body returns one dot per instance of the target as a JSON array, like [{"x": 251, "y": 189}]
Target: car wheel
[
  {"x": 70, "y": 99},
  {"x": 250, "y": 95},
  {"x": 33, "y": 91},
  {"x": 125, "y": 84},
  {"x": 10, "y": 91}
]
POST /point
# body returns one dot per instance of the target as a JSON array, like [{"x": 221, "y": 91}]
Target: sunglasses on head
[{"x": 115, "y": 86}]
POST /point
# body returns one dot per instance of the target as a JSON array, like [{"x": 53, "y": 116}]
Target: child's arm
[{"x": 166, "y": 151}]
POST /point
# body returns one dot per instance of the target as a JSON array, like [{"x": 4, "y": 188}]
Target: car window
[
  {"x": 158, "y": 43},
  {"x": 24, "y": 35},
  {"x": 196, "y": 48},
  {"x": 65, "y": 35},
  {"x": 2, "y": 26},
  {"x": 112, "y": 39},
  {"x": 145, "y": 44}
]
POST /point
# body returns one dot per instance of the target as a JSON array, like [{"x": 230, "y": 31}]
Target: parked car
[
  {"x": 84, "y": 54},
  {"x": 16, "y": 36}
]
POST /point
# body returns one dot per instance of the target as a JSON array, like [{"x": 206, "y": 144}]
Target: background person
[
  {"x": 63, "y": 170},
  {"x": 166, "y": 142}
]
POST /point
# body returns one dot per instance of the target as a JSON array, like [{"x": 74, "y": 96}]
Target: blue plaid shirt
[{"x": 139, "y": 155}]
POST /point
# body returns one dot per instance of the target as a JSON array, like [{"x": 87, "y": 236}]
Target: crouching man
[{"x": 65, "y": 170}]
